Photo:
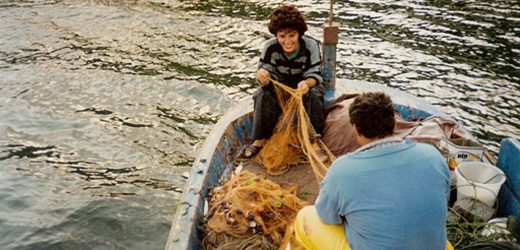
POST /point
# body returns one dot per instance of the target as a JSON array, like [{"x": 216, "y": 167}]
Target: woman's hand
[
  {"x": 303, "y": 86},
  {"x": 263, "y": 76}
]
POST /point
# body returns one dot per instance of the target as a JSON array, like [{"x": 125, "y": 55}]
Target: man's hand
[
  {"x": 303, "y": 86},
  {"x": 263, "y": 76}
]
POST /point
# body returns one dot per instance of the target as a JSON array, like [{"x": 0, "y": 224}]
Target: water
[{"x": 103, "y": 104}]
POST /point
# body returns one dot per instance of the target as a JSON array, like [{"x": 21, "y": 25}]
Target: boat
[
  {"x": 232, "y": 132},
  {"x": 216, "y": 158}
]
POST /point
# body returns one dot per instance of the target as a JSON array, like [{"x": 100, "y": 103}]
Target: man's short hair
[
  {"x": 287, "y": 16},
  {"x": 373, "y": 115}
]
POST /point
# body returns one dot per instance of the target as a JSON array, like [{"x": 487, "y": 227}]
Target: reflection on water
[{"x": 103, "y": 104}]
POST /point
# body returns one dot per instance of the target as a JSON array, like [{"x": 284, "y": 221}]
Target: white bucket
[{"x": 479, "y": 180}]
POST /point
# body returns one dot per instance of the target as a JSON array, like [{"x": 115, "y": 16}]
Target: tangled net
[
  {"x": 466, "y": 232},
  {"x": 293, "y": 136},
  {"x": 254, "y": 211}
]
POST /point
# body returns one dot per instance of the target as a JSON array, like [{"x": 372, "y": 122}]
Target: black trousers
[{"x": 267, "y": 111}]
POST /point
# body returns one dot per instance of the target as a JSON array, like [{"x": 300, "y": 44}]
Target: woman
[{"x": 290, "y": 58}]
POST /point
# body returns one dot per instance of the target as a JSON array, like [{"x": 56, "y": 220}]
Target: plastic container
[
  {"x": 479, "y": 180},
  {"x": 495, "y": 226}
]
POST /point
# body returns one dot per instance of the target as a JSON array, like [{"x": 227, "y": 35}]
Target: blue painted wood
[
  {"x": 215, "y": 157},
  {"x": 509, "y": 161},
  {"x": 328, "y": 72}
]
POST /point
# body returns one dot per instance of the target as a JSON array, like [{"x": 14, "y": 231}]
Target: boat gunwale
[{"x": 191, "y": 204}]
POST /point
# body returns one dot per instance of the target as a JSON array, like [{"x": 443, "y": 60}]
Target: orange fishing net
[
  {"x": 294, "y": 136},
  {"x": 253, "y": 210}
]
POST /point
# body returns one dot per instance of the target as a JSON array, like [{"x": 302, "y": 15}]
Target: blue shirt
[{"x": 393, "y": 197}]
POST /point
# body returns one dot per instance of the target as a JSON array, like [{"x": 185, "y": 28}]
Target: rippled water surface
[{"x": 103, "y": 104}]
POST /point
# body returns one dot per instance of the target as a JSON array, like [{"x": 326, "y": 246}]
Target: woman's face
[{"x": 288, "y": 39}]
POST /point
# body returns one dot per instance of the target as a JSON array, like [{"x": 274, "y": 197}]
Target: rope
[
  {"x": 464, "y": 234},
  {"x": 293, "y": 136}
]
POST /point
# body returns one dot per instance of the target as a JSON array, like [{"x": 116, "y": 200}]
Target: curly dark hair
[
  {"x": 373, "y": 115},
  {"x": 287, "y": 16}
]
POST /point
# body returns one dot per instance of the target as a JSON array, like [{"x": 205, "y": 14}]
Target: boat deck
[{"x": 301, "y": 176}]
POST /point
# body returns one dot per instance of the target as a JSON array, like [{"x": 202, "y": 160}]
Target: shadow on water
[
  {"x": 230, "y": 8},
  {"x": 97, "y": 176},
  {"x": 104, "y": 103},
  {"x": 21, "y": 151},
  {"x": 93, "y": 226}
]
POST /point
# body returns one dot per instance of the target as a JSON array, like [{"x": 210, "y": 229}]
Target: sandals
[{"x": 252, "y": 150}]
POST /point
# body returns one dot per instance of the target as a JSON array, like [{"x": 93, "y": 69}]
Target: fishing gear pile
[
  {"x": 469, "y": 226},
  {"x": 293, "y": 138},
  {"x": 465, "y": 234},
  {"x": 250, "y": 212}
]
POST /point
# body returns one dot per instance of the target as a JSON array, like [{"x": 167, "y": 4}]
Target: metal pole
[
  {"x": 331, "y": 12},
  {"x": 330, "y": 40}
]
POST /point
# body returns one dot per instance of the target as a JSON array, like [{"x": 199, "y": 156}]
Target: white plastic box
[{"x": 460, "y": 150}]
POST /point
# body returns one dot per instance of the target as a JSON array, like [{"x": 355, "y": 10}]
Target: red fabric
[
  {"x": 340, "y": 137},
  {"x": 338, "y": 134}
]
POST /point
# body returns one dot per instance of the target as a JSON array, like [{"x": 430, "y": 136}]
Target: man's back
[{"x": 391, "y": 197}]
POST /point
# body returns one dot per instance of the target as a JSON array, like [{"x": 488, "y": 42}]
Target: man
[{"x": 389, "y": 194}]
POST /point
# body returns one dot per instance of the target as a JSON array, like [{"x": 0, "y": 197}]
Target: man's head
[
  {"x": 372, "y": 114},
  {"x": 288, "y": 25}
]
